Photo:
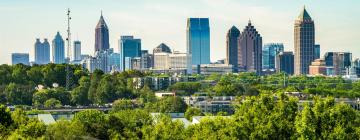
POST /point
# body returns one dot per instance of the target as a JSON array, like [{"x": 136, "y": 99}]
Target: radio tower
[{"x": 68, "y": 39}]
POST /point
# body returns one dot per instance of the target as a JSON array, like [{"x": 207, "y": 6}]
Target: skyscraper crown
[
  {"x": 101, "y": 23},
  {"x": 304, "y": 15}
]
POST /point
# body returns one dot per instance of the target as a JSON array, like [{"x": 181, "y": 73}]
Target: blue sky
[{"x": 156, "y": 21}]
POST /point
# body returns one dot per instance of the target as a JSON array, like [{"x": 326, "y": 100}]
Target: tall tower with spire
[
  {"x": 101, "y": 35},
  {"x": 304, "y": 42},
  {"x": 250, "y": 50},
  {"x": 232, "y": 46}
]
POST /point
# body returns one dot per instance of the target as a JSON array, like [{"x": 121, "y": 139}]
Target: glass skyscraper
[
  {"x": 285, "y": 62},
  {"x": 304, "y": 39},
  {"x": 269, "y": 53},
  {"x": 317, "y": 51},
  {"x": 76, "y": 52},
  {"x": 42, "y": 52},
  {"x": 128, "y": 47},
  {"x": 58, "y": 49},
  {"x": 232, "y": 46},
  {"x": 20, "y": 58},
  {"x": 250, "y": 50},
  {"x": 198, "y": 41},
  {"x": 101, "y": 35}
]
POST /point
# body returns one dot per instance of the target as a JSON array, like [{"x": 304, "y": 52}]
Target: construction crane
[{"x": 68, "y": 40}]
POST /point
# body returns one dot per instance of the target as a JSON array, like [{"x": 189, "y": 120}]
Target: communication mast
[{"x": 68, "y": 40}]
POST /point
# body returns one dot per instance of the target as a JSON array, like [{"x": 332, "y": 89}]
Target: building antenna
[{"x": 68, "y": 39}]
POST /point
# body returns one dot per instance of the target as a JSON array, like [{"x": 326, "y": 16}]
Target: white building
[
  {"x": 76, "y": 51},
  {"x": 165, "y": 60}
]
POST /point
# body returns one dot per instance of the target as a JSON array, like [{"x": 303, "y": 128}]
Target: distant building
[
  {"x": 146, "y": 60},
  {"x": 208, "y": 69},
  {"x": 162, "y": 48},
  {"x": 285, "y": 62},
  {"x": 232, "y": 45},
  {"x": 250, "y": 50},
  {"x": 101, "y": 35},
  {"x": 103, "y": 60},
  {"x": 58, "y": 49},
  {"x": 76, "y": 52},
  {"x": 198, "y": 41},
  {"x": 128, "y": 47},
  {"x": 211, "y": 104},
  {"x": 42, "y": 52},
  {"x": 317, "y": 51},
  {"x": 175, "y": 60},
  {"x": 269, "y": 52},
  {"x": 114, "y": 61},
  {"x": 20, "y": 58},
  {"x": 339, "y": 61},
  {"x": 304, "y": 36},
  {"x": 318, "y": 67}
]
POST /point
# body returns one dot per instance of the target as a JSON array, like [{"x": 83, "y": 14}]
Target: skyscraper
[
  {"x": 304, "y": 38},
  {"x": 42, "y": 52},
  {"x": 101, "y": 35},
  {"x": 232, "y": 45},
  {"x": 20, "y": 58},
  {"x": 285, "y": 62},
  {"x": 338, "y": 61},
  {"x": 317, "y": 51},
  {"x": 128, "y": 47},
  {"x": 58, "y": 49},
  {"x": 269, "y": 53},
  {"x": 76, "y": 52},
  {"x": 198, "y": 40},
  {"x": 250, "y": 50}
]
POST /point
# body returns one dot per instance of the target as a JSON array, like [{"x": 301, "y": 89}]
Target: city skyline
[{"x": 175, "y": 21}]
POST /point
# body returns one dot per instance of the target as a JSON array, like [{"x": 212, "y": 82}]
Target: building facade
[
  {"x": 304, "y": 39},
  {"x": 338, "y": 62},
  {"x": 318, "y": 67},
  {"x": 76, "y": 51},
  {"x": 285, "y": 62},
  {"x": 20, "y": 58},
  {"x": 317, "y": 51},
  {"x": 42, "y": 52},
  {"x": 232, "y": 45},
  {"x": 250, "y": 50},
  {"x": 269, "y": 53},
  {"x": 128, "y": 47},
  {"x": 58, "y": 49},
  {"x": 198, "y": 41},
  {"x": 101, "y": 35}
]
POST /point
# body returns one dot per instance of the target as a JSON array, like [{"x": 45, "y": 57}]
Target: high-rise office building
[
  {"x": 198, "y": 41},
  {"x": 317, "y": 51},
  {"x": 146, "y": 60},
  {"x": 76, "y": 52},
  {"x": 58, "y": 49},
  {"x": 269, "y": 52},
  {"x": 20, "y": 58},
  {"x": 250, "y": 50},
  {"x": 101, "y": 35},
  {"x": 285, "y": 62},
  {"x": 128, "y": 47},
  {"x": 304, "y": 39},
  {"x": 162, "y": 48},
  {"x": 42, "y": 52},
  {"x": 232, "y": 45},
  {"x": 338, "y": 61}
]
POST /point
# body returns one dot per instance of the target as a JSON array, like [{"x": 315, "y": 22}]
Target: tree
[
  {"x": 214, "y": 128},
  {"x": 34, "y": 129},
  {"x": 19, "y": 74},
  {"x": 165, "y": 129},
  {"x": 188, "y": 87},
  {"x": 190, "y": 112},
  {"x": 79, "y": 95},
  {"x": 19, "y": 94},
  {"x": 35, "y": 75},
  {"x": 66, "y": 130},
  {"x": 122, "y": 104},
  {"x": 171, "y": 104},
  {"x": 5, "y": 120},
  {"x": 52, "y": 103},
  {"x": 306, "y": 124},
  {"x": 94, "y": 81},
  {"x": 127, "y": 124},
  {"x": 94, "y": 123}
]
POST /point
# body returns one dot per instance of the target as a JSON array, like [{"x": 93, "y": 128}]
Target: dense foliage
[{"x": 256, "y": 117}]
